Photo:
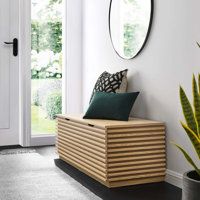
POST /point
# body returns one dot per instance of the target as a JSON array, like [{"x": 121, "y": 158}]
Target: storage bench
[{"x": 115, "y": 153}]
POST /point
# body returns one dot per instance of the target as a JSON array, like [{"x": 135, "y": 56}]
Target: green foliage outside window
[
  {"x": 54, "y": 1},
  {"x": 54, "y": 105},
  {"x": 46, "y": 45},
  {"x": 46, "y": 65},
  {"x": 46, "y": 35}
]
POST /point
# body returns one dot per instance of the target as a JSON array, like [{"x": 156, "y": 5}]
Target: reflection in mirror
[{"x": 129, "y": 22}]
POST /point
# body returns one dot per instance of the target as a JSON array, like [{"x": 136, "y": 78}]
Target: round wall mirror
[{"x": 129, "y": 24}]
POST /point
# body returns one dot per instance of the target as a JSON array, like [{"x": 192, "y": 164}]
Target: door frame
[
  {"x": 72, "y": 96},
  {"x": 25, "y": 75},
  {"x": 26, "y": 138}
]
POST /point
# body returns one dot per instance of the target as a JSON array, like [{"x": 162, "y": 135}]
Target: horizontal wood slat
[
  {"x": 84, "y": 160},
  {"x": 138, "y": 157},
  {"x": 80, "y": 141},
  {"x": 80, "y": 161},
  {"x": 76, "y": 144},
  {"x": 81, "y": 166},
  {"x": 136, "y": 162},
  {"x": 130, "y": 139},
  {"x": 133, "y": 167},
  {"x": 135, "y": 148},
  {"x": 138, "y": 129},
  {"x": 114, "y": 153},
  {"x": 82, "y": 130},
  {"x": 83, "y": 150},
  {"x": 80, "y": 137},
  {"x": 135, "y": 153},
  {"x": 136, "y": 176},
  {"x": 134, "y": 134},
  {"x": 84, "y": 155},
  {"x": 134, "y": 172},
  {"x": 141, "y": 143},
  {"x": 88, "y": 127}
]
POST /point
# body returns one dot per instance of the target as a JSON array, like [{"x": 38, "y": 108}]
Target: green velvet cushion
[{"x": 115, "y": 106}]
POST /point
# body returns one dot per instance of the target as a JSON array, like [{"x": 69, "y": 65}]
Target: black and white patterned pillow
[{"x": 116, "y": 83}]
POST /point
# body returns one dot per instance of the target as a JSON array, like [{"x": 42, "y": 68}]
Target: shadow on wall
[
  {"x": 140, "y": 108},
  {"x": 143, "y": 106}
]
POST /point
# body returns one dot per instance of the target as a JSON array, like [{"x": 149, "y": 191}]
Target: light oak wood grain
[
  {"x": 90, "y": 149},
  {"x": 115, "y": 153},
  {"x": 103, "y": 124}
]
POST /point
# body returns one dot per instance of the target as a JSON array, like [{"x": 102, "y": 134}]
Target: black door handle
[{"x": 15, "y": 46}]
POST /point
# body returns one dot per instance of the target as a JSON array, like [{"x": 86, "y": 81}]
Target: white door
[{"x": 9, "y": 73}]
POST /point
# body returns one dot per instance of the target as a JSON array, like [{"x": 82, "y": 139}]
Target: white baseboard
[
  {"x": 42, "y": 140},
  {"x": 174, "y": 178}
]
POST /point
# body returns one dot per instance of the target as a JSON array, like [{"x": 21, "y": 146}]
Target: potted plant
[{"x": 191, "y": 179}]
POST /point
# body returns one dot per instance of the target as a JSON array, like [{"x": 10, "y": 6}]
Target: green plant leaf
[
  {"x": 196, "y": 103},
  {"x": 193, "y": 137},
  {"x": 189, "y": 159},
  {"x": 199, "y": 83},
  {"x": 187, "y": 111},
  {"x": 198, "y": 44}
]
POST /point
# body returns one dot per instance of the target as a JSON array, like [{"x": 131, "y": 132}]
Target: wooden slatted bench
[{"x": 115, "y": 153}]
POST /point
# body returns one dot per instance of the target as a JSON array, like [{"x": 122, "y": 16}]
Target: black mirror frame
[{"x": 147, "y": 35}]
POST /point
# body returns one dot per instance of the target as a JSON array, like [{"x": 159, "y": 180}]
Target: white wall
[
  {"x": 168, "y": 59},
  {"x": 72, "y": 61}
]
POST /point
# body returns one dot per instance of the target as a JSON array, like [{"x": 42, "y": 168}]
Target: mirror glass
[{"x": 129, "y": 23}]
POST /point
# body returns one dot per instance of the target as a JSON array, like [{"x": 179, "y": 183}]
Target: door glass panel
[{"x": 46, "y": 64}]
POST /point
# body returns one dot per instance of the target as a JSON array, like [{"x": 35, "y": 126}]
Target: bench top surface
[{"x": 133, "y": 122}]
